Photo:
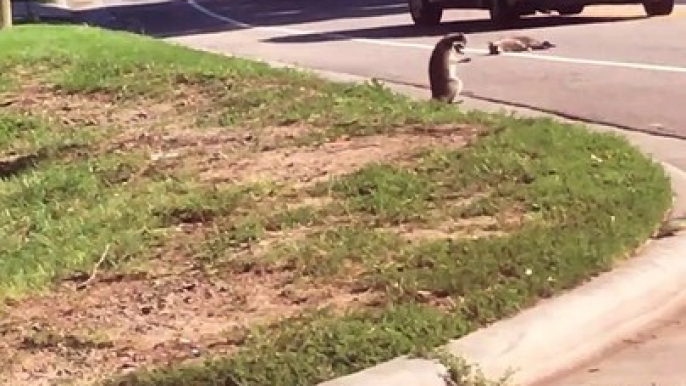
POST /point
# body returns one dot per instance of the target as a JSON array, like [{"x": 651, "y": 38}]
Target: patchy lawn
[{"x": 172, "y": 217}]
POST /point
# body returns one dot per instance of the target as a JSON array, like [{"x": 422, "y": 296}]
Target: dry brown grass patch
[
  {"x": 149, "y": 319},
  {"x": 179, "y": 309},
  {"x": 103, "y": 109},
  {"x": 303, "y": 165}
]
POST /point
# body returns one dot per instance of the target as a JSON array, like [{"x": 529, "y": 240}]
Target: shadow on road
[
  {"x": 467, "y": 26},
  {"x": 288, "y": 12},
  {"x": 160, "y": 19},
  {"x": 177, "y": 18}
]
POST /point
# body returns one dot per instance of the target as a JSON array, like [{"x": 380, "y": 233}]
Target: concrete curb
[{"x": 562, "y": 332}]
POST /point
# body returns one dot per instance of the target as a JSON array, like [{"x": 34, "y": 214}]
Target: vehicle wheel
[
  {"x": 570, "y": 10},
  {"x": 503, "y": 14},
  {"x": 424, "y": 13},
  {"x": 658, "y": 7}
]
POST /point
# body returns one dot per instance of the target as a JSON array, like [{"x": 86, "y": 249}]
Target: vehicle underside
[{"x": 503, "y": 12}]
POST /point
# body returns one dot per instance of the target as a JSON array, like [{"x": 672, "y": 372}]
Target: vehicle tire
[
  {"x": 658, "y": 7},
  {"x": 424, "y": 13},
  {"x": 502, "y": 14},
  {"x": 570, "y": 10}
]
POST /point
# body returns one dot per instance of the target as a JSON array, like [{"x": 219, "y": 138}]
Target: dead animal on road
[
  {"x": 443, "y": 80},
  {"x": 517, "y": 44}
]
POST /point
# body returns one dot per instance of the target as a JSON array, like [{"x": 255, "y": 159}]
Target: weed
[{"x": 459, "y": 372}]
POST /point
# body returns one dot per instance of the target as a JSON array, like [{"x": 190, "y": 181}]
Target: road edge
[
  {"x": 91, "y": 12},
  {"x": 579, "y": 324}
]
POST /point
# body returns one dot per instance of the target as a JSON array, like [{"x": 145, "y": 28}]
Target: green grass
[
  {"x": 60, "y": 216},
  {"x": 529, "y": 209}
]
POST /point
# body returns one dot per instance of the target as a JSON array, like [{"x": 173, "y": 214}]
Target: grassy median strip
[{"x": 208, "y": 220}]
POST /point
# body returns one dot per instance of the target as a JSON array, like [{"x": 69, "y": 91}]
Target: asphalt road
[
  {"x": 654, "y": 357},
  {"x": 621, "y": 69},
  {"x": 611, "y": 65}
]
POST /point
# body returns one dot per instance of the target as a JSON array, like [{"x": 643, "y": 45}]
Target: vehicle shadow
[
  {"x": 464, "y": 26},
  {"x": 177, "y": 18},
  {"x": 282, "y": 12},
  {"x": 174, "y": 18},
  {"x": 167, "y": 18},
  {"x": 160, "y": 20}
]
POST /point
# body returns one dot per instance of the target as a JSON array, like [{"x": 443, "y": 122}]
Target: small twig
[{"x": 95, "y": 269}]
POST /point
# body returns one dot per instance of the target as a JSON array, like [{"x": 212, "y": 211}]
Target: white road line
[
  {"x": 550, "y": 58},
  {"x": 280, "y": 13},
  {"x": 382, "y": 7}
]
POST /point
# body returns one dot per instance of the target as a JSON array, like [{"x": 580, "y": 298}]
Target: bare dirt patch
[
  {"x": 119, "y": 323},
  {"x": 103, "y": 110},
  {"x": 177, "y": 311},
  {"x": 250, "y": 158},
  {"x": 198, "y": 118},
  {"x": 470, "y": 228},
  {"x": 167, "y": 132}
]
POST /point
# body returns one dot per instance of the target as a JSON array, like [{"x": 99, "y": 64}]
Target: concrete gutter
[{"x": 559, "y": 333}]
